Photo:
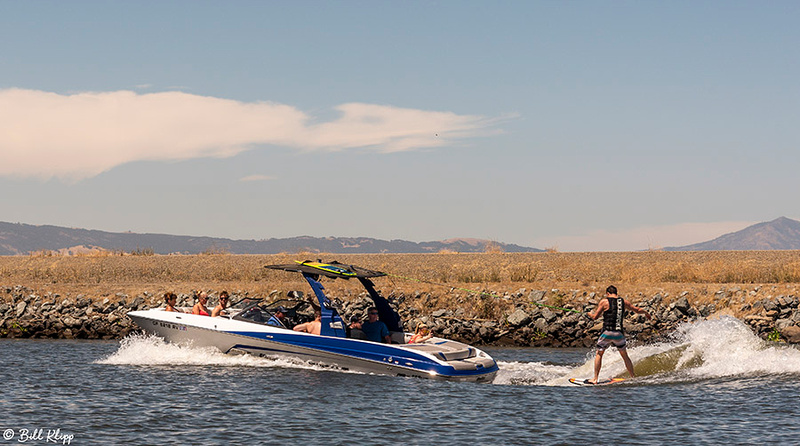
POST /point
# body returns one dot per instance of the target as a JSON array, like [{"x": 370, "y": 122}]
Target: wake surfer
[{"x": 613, "y": 310}]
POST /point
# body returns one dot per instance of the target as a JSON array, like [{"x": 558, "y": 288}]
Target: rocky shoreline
[{"x": 530, "y": 321}]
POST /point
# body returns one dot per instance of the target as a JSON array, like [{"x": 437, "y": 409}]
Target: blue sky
[{"x": 583, "y": 126}]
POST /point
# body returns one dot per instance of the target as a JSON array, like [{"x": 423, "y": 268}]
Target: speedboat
[{"x": 246, "y": 330}]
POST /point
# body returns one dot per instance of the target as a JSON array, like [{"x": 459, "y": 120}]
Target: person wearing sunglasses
[
  {"x": 219, "y": 310},
  {"x": 375, "y": 330},
  {"x": 422, "y": 334},
  {"x": 200, "y": 307}
]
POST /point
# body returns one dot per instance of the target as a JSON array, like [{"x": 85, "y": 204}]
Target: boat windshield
[
  {"x": 242, "y": 305},
  {"x": 294, "y": 312}
]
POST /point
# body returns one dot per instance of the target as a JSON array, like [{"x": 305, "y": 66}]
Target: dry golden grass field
[{"x": 442, "y": 279}]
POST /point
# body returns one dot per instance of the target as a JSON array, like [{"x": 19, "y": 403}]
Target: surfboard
[
  {"x": 329, "y": 268},
  {"x": 585, "y": 382}
]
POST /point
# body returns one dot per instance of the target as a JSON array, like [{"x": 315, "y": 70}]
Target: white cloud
[
  {"x": 256, "y": 178},
  {"x": 644, "y": 237},
  {"x": 76, "y": 136}
]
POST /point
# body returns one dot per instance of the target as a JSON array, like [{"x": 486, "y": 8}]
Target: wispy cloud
[
  {"x": 256, "y": 178},
  {"x": 77, "y": 136},
  {"x": 644, "y": 237}
]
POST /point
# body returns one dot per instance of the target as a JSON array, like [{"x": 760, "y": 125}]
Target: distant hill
[
  {"x": 779, "y": 234},
  {"x": 17, "y": 238}
]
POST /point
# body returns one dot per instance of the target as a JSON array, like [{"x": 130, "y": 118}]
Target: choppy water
[{"x": 716, "y": 383}]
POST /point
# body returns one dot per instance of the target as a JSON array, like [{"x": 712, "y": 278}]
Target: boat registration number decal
[{"x": 169, "y": 325}]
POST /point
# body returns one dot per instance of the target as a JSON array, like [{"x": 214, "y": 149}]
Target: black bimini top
[{"x": 334, "y": 269}]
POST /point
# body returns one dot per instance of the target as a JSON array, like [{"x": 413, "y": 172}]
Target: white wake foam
[
  {"x": 718, "y": 348},
  {"x": 529, "y": 373},
  {"x": 138, "y": 349},
  {"x": 727, "y": 347}
]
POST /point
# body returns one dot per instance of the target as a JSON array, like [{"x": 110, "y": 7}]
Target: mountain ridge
[
  {"x": 780, "y": 234},
  {"x": 23, "y": 239}
]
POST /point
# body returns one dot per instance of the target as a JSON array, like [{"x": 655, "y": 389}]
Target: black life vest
[{"x": 612, "y": 318}]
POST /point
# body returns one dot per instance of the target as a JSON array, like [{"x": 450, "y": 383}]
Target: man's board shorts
[{"x": 609, "y": 338}]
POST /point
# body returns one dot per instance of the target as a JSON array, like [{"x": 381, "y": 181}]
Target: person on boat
[
  {"x": 422, "y": 334},
  {"x": 200, "y": 306},
  {"x": 613, "y": 310},
  {"x": 375, "y": 330},
  {"x": 219, "y": 310},
  {"x": 313, "y": 327},
  {"x": 171, "y": 299},
  {"x": 277, "y": 317}
]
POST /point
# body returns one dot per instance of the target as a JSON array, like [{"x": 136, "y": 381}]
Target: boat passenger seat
[
  {"x": 398, "y": 337},
  {"x": 355, "y": 333}
]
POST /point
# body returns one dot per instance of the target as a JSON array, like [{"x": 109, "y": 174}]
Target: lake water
[{"x": 715, "y": 384}]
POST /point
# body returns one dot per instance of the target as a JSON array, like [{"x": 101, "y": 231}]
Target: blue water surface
[{"x": 58, "y": 384}]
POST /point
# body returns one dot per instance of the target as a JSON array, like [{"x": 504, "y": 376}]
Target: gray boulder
[
  {"x": 518, "y": 318},
  {"x": 548, "y": 315},
  {"x": 537, "y": 295},
  {"x": 82, "y": 301},
  {"x": 540, "y": 325},
  {"x": 70, "y": 321},
  {"x": 440, "y": 313},
  {"x": 21, "y": 306},
  {"x": 780, "y": 324},
  {"x": 682, "y": 305},
  {"x": 791, "y": 333},
  {"x": 137, "y": 302}
]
